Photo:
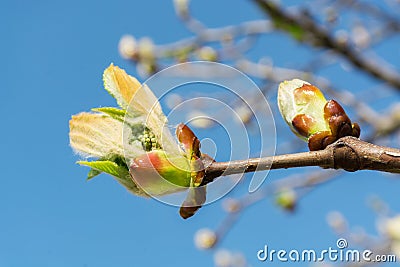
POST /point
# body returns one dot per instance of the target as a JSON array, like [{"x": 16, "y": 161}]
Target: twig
[
  {"x": 317, "y": 36},
  {"x": 210, "y": 35},
  {"x": 348, "y": 153}
]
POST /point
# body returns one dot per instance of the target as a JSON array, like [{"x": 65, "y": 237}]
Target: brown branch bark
[
  {"x": 348, "y": 153},
  {"x": 317, "y": 36}
]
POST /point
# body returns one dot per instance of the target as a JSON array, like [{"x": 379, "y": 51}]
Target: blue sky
[{"x": 54, "y": 53}]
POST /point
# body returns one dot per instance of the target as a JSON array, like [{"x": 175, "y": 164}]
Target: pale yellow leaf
[
  {"x": 98, "y": 135},
  {"x": 120, "y": 85}
]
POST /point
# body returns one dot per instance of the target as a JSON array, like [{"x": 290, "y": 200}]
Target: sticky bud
[
  {"x": 311, "y": 117},
  {"x": 158, "y": 174}
]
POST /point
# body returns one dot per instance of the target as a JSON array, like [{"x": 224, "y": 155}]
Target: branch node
[{"x": 345, "y": 157}]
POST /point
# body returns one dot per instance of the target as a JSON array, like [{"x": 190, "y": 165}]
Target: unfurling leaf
[
  {"x": 311, "y": 117},
  {"x": 148, "y": 161},
  {"x": 120, "y": 85}
]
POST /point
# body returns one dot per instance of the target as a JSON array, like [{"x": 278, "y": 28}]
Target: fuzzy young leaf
[
  {"x": 120, "y": 85},
  {"x": 99, "y": 136}
]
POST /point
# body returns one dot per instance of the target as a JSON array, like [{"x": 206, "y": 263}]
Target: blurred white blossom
[
  {"x": 127, "y": 47},
  {"x": 205, "y": 238}
]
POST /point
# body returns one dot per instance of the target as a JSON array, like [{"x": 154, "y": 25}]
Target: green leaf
[
  {"x": 106, "y": 166},
  {"x": 117, "y": 169},
  {"x": 92, "y": 173},
  {"x": 114, "y": 113}
]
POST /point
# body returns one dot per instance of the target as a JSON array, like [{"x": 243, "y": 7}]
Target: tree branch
[
  {"x": 348, "y": 153},
  {"x": 317, "y": 36}
]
